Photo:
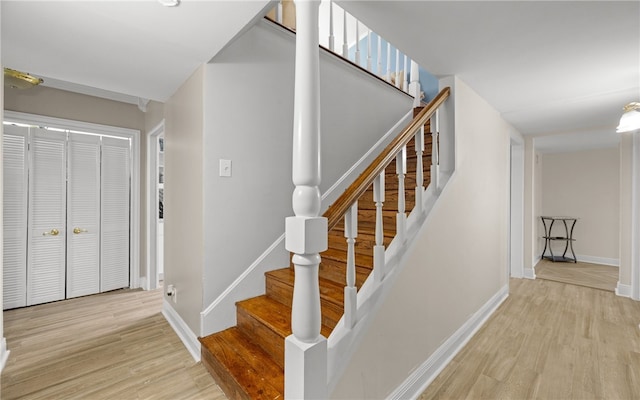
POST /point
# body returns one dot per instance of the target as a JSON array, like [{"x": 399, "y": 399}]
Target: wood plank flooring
[
  {"x": 549, "y": 340},
  {"x": 595, "y": 276},
  {"x": 115, "y": 345}
]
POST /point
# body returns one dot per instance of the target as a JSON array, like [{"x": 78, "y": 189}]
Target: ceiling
[
  {"x": 547, "y": 66},
  {"x": 136, "y": 48}
]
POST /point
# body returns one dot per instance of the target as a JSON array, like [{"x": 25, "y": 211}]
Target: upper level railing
[{"x": 358, "y": 44}]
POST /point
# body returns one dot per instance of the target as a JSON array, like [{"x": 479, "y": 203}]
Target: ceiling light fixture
[
  {"x": 169, "y": 3},
  {"x": 630, "y": 120},
  {"x": 19, "y": 80}
]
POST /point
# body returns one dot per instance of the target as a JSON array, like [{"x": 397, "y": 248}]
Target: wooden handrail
[{"x": 337, "y": 210}]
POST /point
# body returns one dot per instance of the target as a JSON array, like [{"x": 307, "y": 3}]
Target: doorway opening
[{"x": 155, "y": 207}]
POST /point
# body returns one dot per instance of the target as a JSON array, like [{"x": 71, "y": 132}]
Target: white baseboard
[
  {"x": 530, "y": 273},
  {"x": 4, "y": 353},
  {"x": 418, "y": 381},
  {"x": 623, "y": 290},
  {"x": 614, "y": 262},
  {"x": 188, "y": 338}
]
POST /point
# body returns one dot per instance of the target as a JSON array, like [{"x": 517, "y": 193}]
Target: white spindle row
[
  {"x": 378, "y": 250},
  {"x": 401, "y": 217}
]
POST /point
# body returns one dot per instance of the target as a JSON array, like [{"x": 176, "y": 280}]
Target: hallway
[{"x": 549, "y": 340}]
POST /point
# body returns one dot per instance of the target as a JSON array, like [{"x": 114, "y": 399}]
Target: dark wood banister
[{"x": 337, "y": 210}]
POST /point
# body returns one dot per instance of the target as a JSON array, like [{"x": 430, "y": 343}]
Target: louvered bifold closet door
[
  {"x": 83, "y": 215},
  {"x": 14, "y": 155},
  {"x": 47, "y": 219},
  {"x": 115, "y": 200}
]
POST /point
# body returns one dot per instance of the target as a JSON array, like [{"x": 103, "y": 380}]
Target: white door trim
[
  {"x": 635, "y": 218},
  {"x": 152, "y": 207},
  {"x": 516, "y": 201},
  {"x": 86, "y": 127}
]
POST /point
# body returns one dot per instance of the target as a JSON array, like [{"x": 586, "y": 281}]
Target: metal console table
[{"x": 567, "y": 238}]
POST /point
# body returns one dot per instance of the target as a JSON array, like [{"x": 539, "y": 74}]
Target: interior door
[
  {"x": 14, "y": 156},
  {"x": 83, "y": 215},
  {"x": 47, "y": 217},
  {"x": 115, "y": 205}
]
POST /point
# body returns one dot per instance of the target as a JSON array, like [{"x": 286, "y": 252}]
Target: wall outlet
[{"x": 173, "y": 293}]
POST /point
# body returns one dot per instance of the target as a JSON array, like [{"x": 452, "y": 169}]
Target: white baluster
[
  {"x": 435, "y": 156},
  {"x": 405, "y": 83},
  {"x": 332, "y": 38},
  {"x": 414, "y": 86},
  {"x": 350, "y": 291},
  {"x": 398, "y": 77},
  {"x": 279, "y": 12},
  {"x": 306, "y": 232},
  {"x": 369, "y": 51},
  {"x": 401, "y": 217},
  {"x": 380, "y": 73},
  {"x": 345, "y": 45},
  {"x": 357, "y": 42},
  {"x": 419, "y": 141},
  {"x": 388, "y": 62},
  {"x": 378, "y": 249}
]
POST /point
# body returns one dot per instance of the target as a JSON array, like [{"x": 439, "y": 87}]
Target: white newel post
[
  {"x": 350, "y": 291},
  {"x": 401, "y": 217},
  {"x": 414, "y": 86},
  {"x": 378, "y": 249},
  {"x": 405, "y": 74},
  {"x": 306, "y": 232}
]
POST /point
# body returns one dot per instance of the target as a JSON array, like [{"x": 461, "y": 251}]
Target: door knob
[
  {"x": 52, "y": 232},
  {"x": 79, "y": 230}
]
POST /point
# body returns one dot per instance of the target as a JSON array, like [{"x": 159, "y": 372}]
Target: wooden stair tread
[
  {"x": 238, "y": 362},
  {"x": 330, "y": 289},
  {"x": 272, "y": 314},
  {"x": 339, "y": 255}
]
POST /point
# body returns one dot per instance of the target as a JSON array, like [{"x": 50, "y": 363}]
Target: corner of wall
[{"x": 186, "y": 335}]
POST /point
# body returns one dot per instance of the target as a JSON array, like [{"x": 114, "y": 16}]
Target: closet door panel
[
  {"x": 83, "y": 215},
  {"x": 47, "y": 219},
  {"x": 15, "y": 178},
  {"x": 115, "y": 203}
]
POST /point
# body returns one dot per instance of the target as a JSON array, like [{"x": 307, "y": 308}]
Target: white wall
[
  {"x": 183, "y": 196},
  {"x": 462, "y": 249},
  {"x": 248, "y": 118},
  {"x": 626, "y": 215},
  {"x": 586, "y": 185},
  {"x": 3, "y": 344}
]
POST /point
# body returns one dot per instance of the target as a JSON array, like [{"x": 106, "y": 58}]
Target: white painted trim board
[{"x": 186, "y": 335}]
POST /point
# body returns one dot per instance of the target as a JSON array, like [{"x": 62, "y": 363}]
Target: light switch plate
[{"x": 225, "y": 167}]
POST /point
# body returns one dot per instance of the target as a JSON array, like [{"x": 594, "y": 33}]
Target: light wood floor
[
  {"x": 115, "y": 345},
  {"x": 549, "y": 340},
  {"x": 596, "y": 276}
]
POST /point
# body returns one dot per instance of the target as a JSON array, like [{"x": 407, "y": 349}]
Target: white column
[
  {"x": 357, "y": 42},
  {"x": 345, "y": 45},
  {"x": 398, "y": 77},
  {"x": 388, "y": 62},
  {"x": 401, "y": 217},
  {"x": 306, "y": 232},
  {"x": 435, "y": 162},
  {"x": 369, "y": 51},
  {"x": 378, "y": 249},
  {"x": 380, "y": 72},
  {"x": 405, "y": 74},
  {"x": 350, "y": 291},
  {"x": 419, "y": 141},
  {"x": 279, "y": 12},
  {"x": 414, "y": 86},
  {"x": 332, "y": 38}
]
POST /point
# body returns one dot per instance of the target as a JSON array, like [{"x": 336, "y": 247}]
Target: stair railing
[
  {"x": 346, "y": 205},
  {"x": 405, "y": 75}
]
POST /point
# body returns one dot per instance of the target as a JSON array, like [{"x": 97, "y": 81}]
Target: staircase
[{"x": 247, "y": 361}]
